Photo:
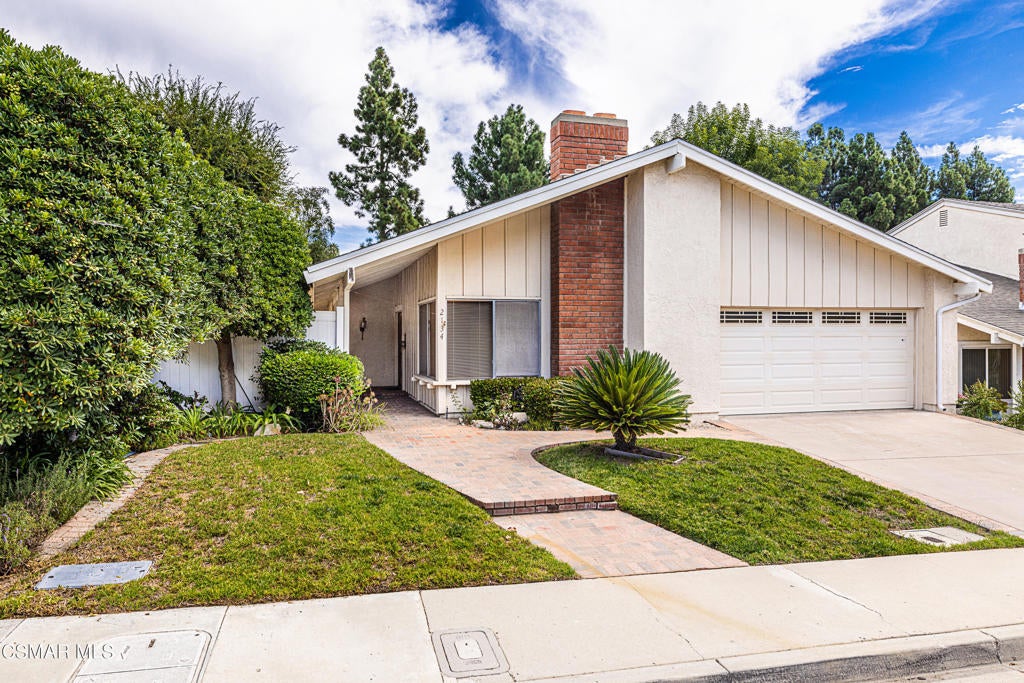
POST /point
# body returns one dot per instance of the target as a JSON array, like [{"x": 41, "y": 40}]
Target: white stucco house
[
  {"x": 988, "y": 239},
  {"x": 762, "y": 300}
]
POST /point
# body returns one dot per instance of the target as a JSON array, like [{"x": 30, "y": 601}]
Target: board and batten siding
[
  {"x": 500, "y": 260},
  {"x": 775, "y": 257},
  {"x": 417, "y": 284}
]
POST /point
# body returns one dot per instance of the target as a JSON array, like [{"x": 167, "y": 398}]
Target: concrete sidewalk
[{"x": 901, "y": 615}]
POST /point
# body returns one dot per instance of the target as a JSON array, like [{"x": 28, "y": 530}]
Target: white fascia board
[
  {"x": 583, "y": 180},
  {"x": 989, "y": 328},
  {"x": 827, "y": 215}
]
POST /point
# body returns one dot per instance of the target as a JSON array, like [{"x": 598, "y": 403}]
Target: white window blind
[
  {"x": 470, "y": 332},
  {"x": 516, "y": 338}
]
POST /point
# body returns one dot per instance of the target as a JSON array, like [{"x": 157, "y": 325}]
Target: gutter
[{"x": 939, "y": 407}]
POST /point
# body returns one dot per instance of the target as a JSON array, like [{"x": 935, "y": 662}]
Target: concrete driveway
[{"x": 973, "y": 470}]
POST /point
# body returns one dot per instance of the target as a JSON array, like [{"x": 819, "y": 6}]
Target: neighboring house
[
  {"x": 985, "y": 237},
  {"x": 761, "y": 299}
]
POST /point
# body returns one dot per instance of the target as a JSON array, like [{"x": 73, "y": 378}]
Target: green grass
[
  {"x": 760, "y": 503},
  {"x": 285, "y": 518}
]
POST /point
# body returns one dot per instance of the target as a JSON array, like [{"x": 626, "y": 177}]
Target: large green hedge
[
  {"x": 296, "y": 378},
  {"x": 98, "y": 278}
]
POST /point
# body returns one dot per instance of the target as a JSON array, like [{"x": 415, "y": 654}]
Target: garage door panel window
[
  {"x": 493, "y": 339},
  {"x": 991, "y": 366}
]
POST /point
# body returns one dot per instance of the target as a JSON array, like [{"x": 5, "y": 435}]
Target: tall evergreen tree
[
  {"x": 856, "y": 180},
  {"x": 974, "y": 178},
  {"x": 507, "y": 158},
  {"x": 913, "y": 183},
  {"x": 776, "y": 153},
  {"x": 310, "y": 208},
  {"x": 388, "y": 146}
]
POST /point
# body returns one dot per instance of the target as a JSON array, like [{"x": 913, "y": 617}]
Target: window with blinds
[
  {"x": 470, "y": 339},
  {"x": 426, "y": 340},
  {"x": 493, "y": 339},
  {"x": 516, "y": 338}
]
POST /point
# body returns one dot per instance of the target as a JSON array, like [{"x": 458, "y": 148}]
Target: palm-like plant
[{"x": 630, "y": 394}]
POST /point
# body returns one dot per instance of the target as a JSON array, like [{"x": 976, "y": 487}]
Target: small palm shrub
[
  {"x": 630, "y": 394},
  {"x": 980, "y": 400}
]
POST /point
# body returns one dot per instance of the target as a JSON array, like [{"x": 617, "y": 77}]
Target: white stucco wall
[
  {"x": 680, "y": 216},
  {"x": 973, "y": 237}
]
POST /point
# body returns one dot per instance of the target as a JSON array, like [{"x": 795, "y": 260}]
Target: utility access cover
[
  {"x": 81, "y": 575},
  {"x": 167, "y": 656},
  {"x": 941, "y": 536},
  {"x": 468, "y": 652}
]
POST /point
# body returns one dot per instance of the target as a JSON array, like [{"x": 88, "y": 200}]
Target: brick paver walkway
[
  {"x": 615, "y": 544},
  {"x": 94, "y": 512},
  {"x": 495, "y": 470}
]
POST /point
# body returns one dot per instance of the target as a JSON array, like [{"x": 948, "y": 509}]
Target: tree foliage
[
  {"x": 913, "y": 183},
  {"x": 974, "y": 178},
  {"x": 248, "y": 242},
  {"x": 310, "y": 208},
  {"x": 220, "y": 127},
  {"x": 507, "y": 158},
  {"x": 773, "y": 152},
  {"x": 856, "y": 180},
  {"x": 99, "y": 281},
  {"x": 388, "y": 146}
]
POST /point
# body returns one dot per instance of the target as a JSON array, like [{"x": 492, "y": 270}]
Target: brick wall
[
  {"x": 579, "y": 141},
  {"x": 587, "y": 240}
]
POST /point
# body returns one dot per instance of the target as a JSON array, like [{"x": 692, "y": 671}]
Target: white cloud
[
  {"x": 306, "y": 60},
  {"x": 1016, "y": 107}
]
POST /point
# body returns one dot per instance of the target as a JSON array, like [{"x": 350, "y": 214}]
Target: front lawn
[
  {"x": 285, "y": 518},
  {"x": 762, "y": 504}
]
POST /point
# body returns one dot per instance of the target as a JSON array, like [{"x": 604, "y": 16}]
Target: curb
[{"x": 862, "y": 661}]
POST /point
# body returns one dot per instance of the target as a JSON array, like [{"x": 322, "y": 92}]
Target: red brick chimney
[
  {"x": 587, "y": 241},
  {"x": 1020, "y": 279},
  {"x": 579, "y": 141}
]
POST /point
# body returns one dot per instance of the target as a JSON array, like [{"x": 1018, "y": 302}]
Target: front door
[{"x": 400, "y": 345}]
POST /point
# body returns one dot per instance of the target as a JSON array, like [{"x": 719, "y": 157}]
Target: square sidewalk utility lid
[
  {"x": 81, "y": 575},
  {"x": 166, "y": 656},
  {"x": 468, "y": 652},
  {"x": 940, "y": 536}
]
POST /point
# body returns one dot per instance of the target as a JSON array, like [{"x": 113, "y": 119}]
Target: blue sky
[{"x": 941, "y": 69}]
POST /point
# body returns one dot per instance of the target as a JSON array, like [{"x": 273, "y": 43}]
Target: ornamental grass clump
[{"x": 630, "y": 394}]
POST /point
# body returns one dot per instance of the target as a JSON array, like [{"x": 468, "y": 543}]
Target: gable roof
[
  {"x": 1008, "y": 209},
  {"x": 676, "y": 154},
  {"x": 1002, "y": 308}
]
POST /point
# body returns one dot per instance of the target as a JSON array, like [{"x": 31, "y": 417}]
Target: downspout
[
  {"x": 938, "y": 346},
  {"x": 341, "y": 325}
]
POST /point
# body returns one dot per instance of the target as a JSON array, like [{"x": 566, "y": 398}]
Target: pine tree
[
  {"x": 388, "y": 146},
  {"x": 507, "y": 158},
  {"x": 952, "y": 183},
  {"x": 913, "y": 183}
]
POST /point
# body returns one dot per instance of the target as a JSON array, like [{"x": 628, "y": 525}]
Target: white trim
[
  {"x": 978, "y": 345},
  {"x": 988, "y": 328},
  {"x": 545, "y": 194},
  {"x": 676, "y": 150},
  {"x": 958, "y": 203}
]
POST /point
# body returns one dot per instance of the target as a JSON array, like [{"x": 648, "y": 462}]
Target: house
[
  {"x": 985, "y": 237},
  {"x": 762, "y": 300}
]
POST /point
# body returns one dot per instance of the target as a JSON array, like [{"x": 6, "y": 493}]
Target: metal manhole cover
[
  {"x": 943, "y": 536},
  {"x": 81, "y": 575},
  {"x": 468, "y": 652}
]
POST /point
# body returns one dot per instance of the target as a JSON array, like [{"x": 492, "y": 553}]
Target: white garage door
[{"x": 776, "y": 361}]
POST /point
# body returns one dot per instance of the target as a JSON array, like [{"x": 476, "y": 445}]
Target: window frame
[
  {"x": 431, "y": 337},
  {"x": 986, "y": 347},
  {"x": 494, "y": 319}
]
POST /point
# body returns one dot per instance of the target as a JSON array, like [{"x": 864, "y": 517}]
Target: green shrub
[
  {"x": 20, "y": 531},
  {"x": 289, "y": 344},
  {"x": 530, "y": 395},
  {"x": 345, "y": 410},
  {"x": 98, "y": 276},
  {"x": 297, "y": 379},
  {"x": 149, "y": 419},
  {"x": 980, "y": 400},
  {"x": 1016, "y": 418},
  {"x": 630, "y": 394}
]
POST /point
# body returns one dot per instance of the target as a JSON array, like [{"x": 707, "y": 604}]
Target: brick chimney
[
  {"x": 1020, "y": 279},
  {"x": 587, "y": 241},
  {"x": 579, "y": 141}
]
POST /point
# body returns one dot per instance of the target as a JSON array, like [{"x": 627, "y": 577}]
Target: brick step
[{"x": 607, "y": 501}]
